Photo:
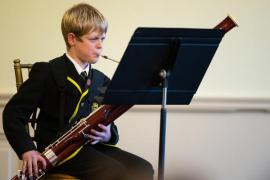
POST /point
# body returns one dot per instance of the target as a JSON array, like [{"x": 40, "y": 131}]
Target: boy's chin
[{"x": 93, "y": 61}]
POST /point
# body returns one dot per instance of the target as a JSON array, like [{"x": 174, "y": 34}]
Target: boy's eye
[
  {"x": 96, "y": 39},
  {"x": 93, "y": 39}
]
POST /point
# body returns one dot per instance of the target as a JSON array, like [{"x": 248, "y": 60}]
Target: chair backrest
[{"x": 18, "y": 67}]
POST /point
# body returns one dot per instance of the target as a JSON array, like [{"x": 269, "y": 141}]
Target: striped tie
[{"x": 84, "y": 75}]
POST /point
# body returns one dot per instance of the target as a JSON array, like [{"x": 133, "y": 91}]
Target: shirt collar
[{"x": 77, "y": 66}]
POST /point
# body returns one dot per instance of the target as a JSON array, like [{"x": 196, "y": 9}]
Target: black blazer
[{"x": 47, "y": 88}]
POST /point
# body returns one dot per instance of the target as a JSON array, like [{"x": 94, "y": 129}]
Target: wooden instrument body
[{"x": 76, "y": 137}]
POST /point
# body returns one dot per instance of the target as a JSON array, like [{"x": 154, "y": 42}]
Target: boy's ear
[{"x": 71, "y": 38}]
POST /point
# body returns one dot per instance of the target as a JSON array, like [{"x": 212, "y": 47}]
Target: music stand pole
[{"x": 162, "y": 132}]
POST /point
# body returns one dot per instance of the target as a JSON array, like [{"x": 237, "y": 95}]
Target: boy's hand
[
  {"x": 103, "y": 135},
  {"x": 30, "y": 162}
]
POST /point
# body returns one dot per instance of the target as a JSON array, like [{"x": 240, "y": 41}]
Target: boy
[{"x": 64, "y": 97}]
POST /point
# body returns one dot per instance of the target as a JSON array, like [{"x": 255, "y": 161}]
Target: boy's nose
[{"x": 99, "y": 44}]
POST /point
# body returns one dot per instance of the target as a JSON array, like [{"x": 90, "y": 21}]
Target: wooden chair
[{"x": 30, "y": 128}]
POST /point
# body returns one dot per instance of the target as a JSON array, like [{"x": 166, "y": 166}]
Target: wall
[
  {"x": 225, "y": 132},
  {"x": 9, "y": 160},
  {"x": 212, "y": 139},
  {"x": 30, "y": 30}
]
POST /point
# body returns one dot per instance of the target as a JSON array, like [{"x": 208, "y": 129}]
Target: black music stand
[{"x": 163, "y": 66}]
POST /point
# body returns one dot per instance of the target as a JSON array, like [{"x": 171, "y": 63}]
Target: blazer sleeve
[{"x": 20, "y": 107}]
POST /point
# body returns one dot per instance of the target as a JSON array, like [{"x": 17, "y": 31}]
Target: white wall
[
  {"x": 212, "y": 141},
  {"x": 30, "y": 30},
  {"x": 8, "y": 159}
]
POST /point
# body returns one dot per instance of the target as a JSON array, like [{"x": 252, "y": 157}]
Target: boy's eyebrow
[{"x": 98, "y": 36}]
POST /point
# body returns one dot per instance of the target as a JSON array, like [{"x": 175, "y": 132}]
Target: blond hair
[{"x": 81, "y": 19}]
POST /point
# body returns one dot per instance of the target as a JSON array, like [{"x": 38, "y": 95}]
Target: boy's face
[{"x": 88, "y": 47}]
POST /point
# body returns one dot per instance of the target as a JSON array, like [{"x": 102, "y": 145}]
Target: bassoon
[{"x": 76, "y": 137}]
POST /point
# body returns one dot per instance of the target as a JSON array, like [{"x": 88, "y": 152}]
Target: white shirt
[{"x": 77, "y": 66}]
